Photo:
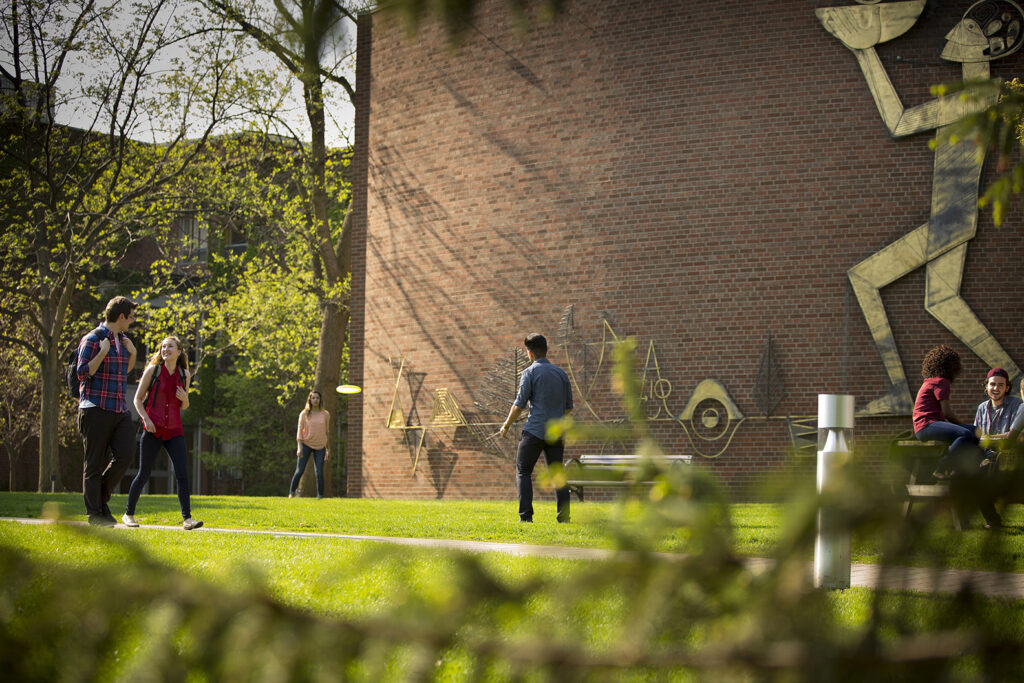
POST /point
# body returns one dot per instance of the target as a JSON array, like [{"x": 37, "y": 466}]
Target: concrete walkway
[{"x": 992, "y": 584}]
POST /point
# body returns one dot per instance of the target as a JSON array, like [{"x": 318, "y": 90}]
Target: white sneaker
[
  {"x": 128, "y": 520},
  {"x": 190, "y": 524}
]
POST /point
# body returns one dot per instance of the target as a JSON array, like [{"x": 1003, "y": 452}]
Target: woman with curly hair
[{"x": 934, "y": 419}]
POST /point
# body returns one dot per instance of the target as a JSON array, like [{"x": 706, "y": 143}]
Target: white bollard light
[{"x": 832, "y": 544}]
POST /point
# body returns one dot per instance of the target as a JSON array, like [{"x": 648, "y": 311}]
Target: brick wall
[{"x": 700, "y": 175}]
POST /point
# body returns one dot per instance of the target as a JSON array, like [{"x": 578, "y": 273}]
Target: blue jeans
[
  {"x": 149, "y": 448},
  {"x": 530, "y": 448},
  {"x": 963, "y": 444},
  {"x": 300, "y": 467}
]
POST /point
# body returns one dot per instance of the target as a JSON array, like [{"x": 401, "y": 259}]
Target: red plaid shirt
[{"x": 106, "y": 389}]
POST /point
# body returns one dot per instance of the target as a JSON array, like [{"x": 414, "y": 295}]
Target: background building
[{"x": 700, "y": 176}]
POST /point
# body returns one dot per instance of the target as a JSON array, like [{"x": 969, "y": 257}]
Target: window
[
  {"x": 235, "y": 242},
  {"x": 194, "y": 237}
]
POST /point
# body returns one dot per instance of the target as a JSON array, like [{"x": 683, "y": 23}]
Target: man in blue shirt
[
  {"x": 105, "y": 357},
  {"x": 995, "y": 417},
  {"x": 545, "y": 386}
]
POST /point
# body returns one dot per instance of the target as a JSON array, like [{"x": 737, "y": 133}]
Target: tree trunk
[
  {"x": 328, "y": 370},
  {"x": 334, "y": 322},
  {"x": 53, "y": 312},
  {"x": 48, "y": 415}
]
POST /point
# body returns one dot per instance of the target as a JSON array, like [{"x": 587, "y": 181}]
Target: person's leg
[
  {"x": 989, "y": 484},
  {"x": 122, "y": 443},
  {"x": 95, "y": 427},
  {"x": 318, "y": 464},
  {"x": 943, "y": 278},
  {"x": 553, "y": 453},
  {"x": 149, "y": 447},
  {"x": 177, "y": 453},
  {"x": 526, "y": 458},
  {"x": 963, "y": 445},
  {"x": 946, "y": 431},
  {"x": 300, "y": 467},
  {"x": 867, "y": 279}
]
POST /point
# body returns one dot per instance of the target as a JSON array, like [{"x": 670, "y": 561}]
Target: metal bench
[{"x": 610, "y": 470}]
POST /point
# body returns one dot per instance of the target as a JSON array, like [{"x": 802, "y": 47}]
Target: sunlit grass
[{"x": 756, "y": 528}]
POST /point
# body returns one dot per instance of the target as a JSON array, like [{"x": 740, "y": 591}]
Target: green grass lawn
[
  {"x": 756, "y": 528},
  {"x": 177, "y": 586}
]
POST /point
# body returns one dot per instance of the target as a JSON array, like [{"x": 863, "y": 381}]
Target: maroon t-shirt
[{"x": 926, "y": 407}]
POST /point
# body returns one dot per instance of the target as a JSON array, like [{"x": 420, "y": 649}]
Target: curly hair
[{"x": 942, "y": 361}]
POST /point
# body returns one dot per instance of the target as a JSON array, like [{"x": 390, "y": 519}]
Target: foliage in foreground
[
  {"x": 442, "y": 617},
  {"x": 706, "y": 615}
]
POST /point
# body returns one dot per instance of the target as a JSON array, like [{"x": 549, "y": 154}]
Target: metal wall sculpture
[
  {"x": 988, "y": 30},
  {"x": 768, "y": 387},
  {"x": 497, "y": 390},
  {"x": 709, "y": 418}
]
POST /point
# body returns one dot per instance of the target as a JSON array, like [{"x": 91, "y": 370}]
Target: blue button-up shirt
[{"x": 545, "y": 386}]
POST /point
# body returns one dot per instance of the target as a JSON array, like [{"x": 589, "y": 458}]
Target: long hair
[
  {"x": 309, "y": 398},
  {"x": 157, "y": 359},
  {"x": 941, "y": 361}
]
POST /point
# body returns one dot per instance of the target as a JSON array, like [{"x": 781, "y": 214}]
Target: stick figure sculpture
[{"x": 988, "y": 30}]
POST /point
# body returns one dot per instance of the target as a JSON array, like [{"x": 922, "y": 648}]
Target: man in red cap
[
  {"x": 995, "y": 418},
  {"x": 996, "y": 415}
]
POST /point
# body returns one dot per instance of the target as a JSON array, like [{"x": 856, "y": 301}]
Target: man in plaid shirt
[{"x": 105, "y": 356}]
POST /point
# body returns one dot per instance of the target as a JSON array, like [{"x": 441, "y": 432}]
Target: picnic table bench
[
  {"x": 610, "y": 470},
  {"x": 920, "y": 458}
]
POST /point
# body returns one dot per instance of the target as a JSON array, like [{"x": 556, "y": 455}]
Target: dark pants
[
  {"x": 963, "y": 454},
  {"x": 530, "y": 448},
  {"x": 149, "y": 448},
  {"x": 300, "y": 467},
  {"x": 103, "y": 433},
  {"x": 973, "y": 486}
]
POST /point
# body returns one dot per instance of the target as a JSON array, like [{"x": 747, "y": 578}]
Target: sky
[{"x": 84, "y": 70}]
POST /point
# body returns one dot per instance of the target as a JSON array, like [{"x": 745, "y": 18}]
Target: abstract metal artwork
[
  {"x": 413, "y": 433},
  {"x": 803, "y": 432},
  {"x": 988, "y": 30},
  {"x": 446, "y": 412},
  {"x": 768, "y": 387},
  {"x": 496, "y": 392},
  {"x": 709, "y": 418}
]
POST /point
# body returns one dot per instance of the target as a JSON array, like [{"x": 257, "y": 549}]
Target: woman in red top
[
  {"x": 159, "y": 400},
  {"x": 933, "y": 415}
]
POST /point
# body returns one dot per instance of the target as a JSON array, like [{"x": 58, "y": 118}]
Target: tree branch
[{"x": 290, "y": 59}]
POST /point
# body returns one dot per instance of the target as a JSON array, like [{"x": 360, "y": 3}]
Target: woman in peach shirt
[{"x": 311, "y": 438}]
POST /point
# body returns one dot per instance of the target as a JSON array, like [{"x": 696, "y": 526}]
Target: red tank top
[{"x": 163, "y": 405}]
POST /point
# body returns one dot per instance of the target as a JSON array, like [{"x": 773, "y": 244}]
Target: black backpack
[{"x": 71, "y": 366}]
